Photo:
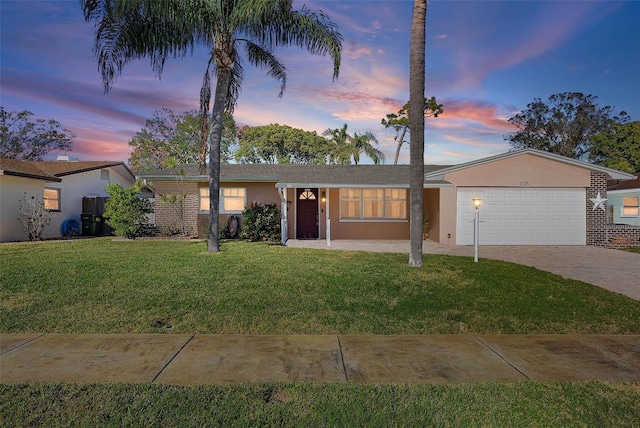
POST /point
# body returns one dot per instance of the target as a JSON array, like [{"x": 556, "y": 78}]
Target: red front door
[{"x": 307, "y": 213}]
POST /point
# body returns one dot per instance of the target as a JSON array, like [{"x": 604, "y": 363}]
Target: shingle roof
[
  {"x": 20, "y": 168},
  {"x": 302, "y": 175},
  {"x": 53, "y": 170},
  {"x": 62, "y": 168}
]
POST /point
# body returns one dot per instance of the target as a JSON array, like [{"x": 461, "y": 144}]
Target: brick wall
[
  {"x": 599, "y": 232},
  {"x": 167, "y": 215}
]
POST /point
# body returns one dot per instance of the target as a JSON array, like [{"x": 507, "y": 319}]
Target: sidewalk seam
[
  {"x": 22, "y": 344},
  {"x": 501, "y": 357},
  {"x": 172, "y": 358},
  {"x": 344, "y": 367}
]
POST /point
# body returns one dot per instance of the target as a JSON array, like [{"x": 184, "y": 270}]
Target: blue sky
[{"x": 486, "y": 60}]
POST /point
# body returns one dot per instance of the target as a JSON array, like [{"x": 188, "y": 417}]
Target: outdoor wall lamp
[
  {"x": 324, "y": 197},
  {"x": 476, "y": 227}
]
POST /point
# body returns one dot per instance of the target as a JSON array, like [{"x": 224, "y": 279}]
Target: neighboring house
[
  {"x": 61, "y": 185},
  {"x": 528, "y": 197},
  {"x": 624, "y": 201}
]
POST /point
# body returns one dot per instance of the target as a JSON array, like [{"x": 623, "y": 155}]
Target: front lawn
[
  {"x": 102, "y": 286},
  {"x": 522, "y": 404},
  {"x": 105, "y": 286}
]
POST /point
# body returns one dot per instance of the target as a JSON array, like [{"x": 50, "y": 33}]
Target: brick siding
[
  {"x": 599, "y": 232},
  {"x": 167, "y": 216}
]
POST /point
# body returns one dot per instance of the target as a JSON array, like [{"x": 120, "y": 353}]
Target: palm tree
[
  {"x": 347, "y": 147},
  {"x": 362, "y": 144},
  {"x": 340, "y": 153},
  {"x": 417, "y": 59},
  {"x": 156, "y": 29}
]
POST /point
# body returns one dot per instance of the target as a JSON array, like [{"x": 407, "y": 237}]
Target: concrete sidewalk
[{"x": 230, "y": 359}]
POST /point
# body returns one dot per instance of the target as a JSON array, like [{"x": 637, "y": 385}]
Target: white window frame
[
  {"x": 365, "y": 197},
  {"x": 630, "y": 207},
  {"x": 228, "y": 195},
  {"x": 48, "y": 200}
]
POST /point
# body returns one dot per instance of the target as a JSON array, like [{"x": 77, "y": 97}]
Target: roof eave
[{"x": 33, "y": 176}]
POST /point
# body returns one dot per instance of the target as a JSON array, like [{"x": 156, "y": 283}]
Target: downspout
[{"x": 284, "y": 216}]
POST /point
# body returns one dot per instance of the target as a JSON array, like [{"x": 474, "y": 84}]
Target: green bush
[
  {"x": 261, "y": 222},
  {"x": 125, "y": 212}
]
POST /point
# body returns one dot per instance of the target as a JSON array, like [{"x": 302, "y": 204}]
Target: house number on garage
[{"x": 524, "y": 184}]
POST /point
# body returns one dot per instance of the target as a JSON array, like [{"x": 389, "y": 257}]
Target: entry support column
[
  {"x": 284, "y": 216},
  {"x": 328, "y": 219}
]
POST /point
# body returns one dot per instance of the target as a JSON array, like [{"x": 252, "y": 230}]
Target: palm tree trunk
[
  {"x": 416, "y": 124},
  {"x": 215, "y": 137}
]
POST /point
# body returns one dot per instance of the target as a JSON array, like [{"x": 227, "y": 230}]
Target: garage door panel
[{"x": 525, "y": 216}]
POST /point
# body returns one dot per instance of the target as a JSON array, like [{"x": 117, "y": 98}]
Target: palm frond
[
  {"x": 265, "y": 59},
  {"x": 127, "y": 30}
]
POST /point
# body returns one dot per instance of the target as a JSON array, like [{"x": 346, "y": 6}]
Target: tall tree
[
  {"x": 618, "y": 147},
  {"x": 563, "y": 125},
  {"x": 134, "y": 29},
  {"x": 25, "y": 137},
  {"x": 400, "y": 121},
  {"x": 348, "y": 147},
  {"x": 168, "y": 135},
  {"x": 417, "y": 62},
  {"x": 281, "y": 144}
]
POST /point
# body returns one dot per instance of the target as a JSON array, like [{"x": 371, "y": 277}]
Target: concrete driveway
[{"x": 614, "y": 270}]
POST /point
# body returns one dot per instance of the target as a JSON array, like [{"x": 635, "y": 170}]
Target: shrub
[
  {"x": 34, "y": 217},
  {"x": 125, "y": 212},
  {"x": 261, "y": 222}
]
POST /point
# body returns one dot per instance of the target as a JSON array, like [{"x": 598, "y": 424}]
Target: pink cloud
[{"x": 482, "y": 113}]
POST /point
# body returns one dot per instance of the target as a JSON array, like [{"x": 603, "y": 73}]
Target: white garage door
[{"x": 523, "y": 216}]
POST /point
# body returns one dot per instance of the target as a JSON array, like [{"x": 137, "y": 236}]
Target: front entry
[{"x": 307, "y": 214}]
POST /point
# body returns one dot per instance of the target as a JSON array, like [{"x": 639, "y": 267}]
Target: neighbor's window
[
  {"x": 630, "y": 207},
  {"x": 51, "y": 198},
  {"x": 373, "y": 204},
  {"x": 232, "y": 199}
]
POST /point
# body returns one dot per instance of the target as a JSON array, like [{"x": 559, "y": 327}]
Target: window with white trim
[
  {"x": 232, "y": 199},
  {"x": 51, "y": 199},
  {"x": 630, "y": 207},
  {"x": 373, "y": 204}
]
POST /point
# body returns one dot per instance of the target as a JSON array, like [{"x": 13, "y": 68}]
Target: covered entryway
[
  {"x": 307, "y": 214},
  {"x": 523, "y": 216}
]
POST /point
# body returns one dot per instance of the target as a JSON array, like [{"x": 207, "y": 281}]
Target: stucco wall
[
  {"x": 12, "y": 190},
  {"x": 72, "y": 189},
  {"x": 521, "y": 171},
  {"x": 77, "y": 186}
]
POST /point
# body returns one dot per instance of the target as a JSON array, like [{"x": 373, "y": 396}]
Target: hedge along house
[{"x": 528, "y": 197}]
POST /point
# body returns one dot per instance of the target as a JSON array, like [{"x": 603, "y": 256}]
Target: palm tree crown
[{"x": 351, "y": 146}]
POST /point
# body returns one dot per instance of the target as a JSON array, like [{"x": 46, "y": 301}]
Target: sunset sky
[{"x": 486, "y": 60}]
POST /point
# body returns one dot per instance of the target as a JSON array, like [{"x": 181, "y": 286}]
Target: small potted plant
[{"x": 425, "y": 230}]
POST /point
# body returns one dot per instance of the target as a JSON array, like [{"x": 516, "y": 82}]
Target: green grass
[
  {"x": 593, "y": 404},
  {"x": 105, "y": 286},
  {"x": 102, "y": 286}
]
